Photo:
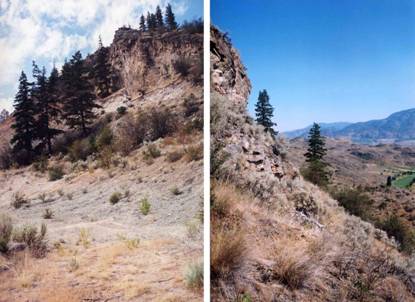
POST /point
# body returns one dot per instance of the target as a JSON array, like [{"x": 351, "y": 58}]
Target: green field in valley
[{"x": 404, "y": 181}]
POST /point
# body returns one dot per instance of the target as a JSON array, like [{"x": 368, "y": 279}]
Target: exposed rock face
[
  {"x": 145, "y": 61},
  {"x": 4, "y": 114},
  {"x": 228, "y": 74}
]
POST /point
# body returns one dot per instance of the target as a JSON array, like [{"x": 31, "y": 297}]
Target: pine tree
[
  {"x": 149, "y": 20},
  {"x": 24, "y": 121},
  {"x": 78, "y": 97},
  {"x": 45, "y": 95},
  {"x": 159, "y": 17},
  {"x": 264, "y": 112},
  {"x": 100, "y": 42},
  {"x": 170, "y": 19},
  {"x": 142, "y": 23},
  {"x": 316, "y": 145},
  {"x": 101, "y": 71},
  {"x": 316, "y": 172}
]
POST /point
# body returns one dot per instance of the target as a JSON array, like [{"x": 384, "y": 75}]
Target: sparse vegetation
[
  {"x": 145, "y": 206},
  {"x": 115, "y": 197},
  {"x": 292, "y": 270},
  {"x": 84, "y": 238},
  {"x": 402, "y": 231},
  {"x": 194, "y": 152},
  {"x": 121, "y": 110},
  {"x": 194, "y": 276},
  {"x": 6, "y": 229},
  {"x": 354, "y": 201},
  {"x": 55, "y": 172},
  {"x": 19, "y": 200},
  {"x": 174, "y": 156},
  {"x": 33, "y": 238},
  {"x": 151, "y": 152},
  {"x": 48, "y": 214},
  {"x": 182, "y": 66}
]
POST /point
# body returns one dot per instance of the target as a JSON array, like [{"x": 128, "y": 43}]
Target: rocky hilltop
[
  {"x": 121, "y": 206},
  {"x": 276, "y": 237}
]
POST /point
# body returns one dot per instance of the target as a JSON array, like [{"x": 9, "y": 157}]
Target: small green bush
[
  {"x": 355, "y": 202},
  {"x": 152, "y": 151},
  {"x": 145, "y": 206},
  {"x": 48, "y": 214},
  {"x": 194, "y": 152},
  {"x": 174, "y": 156},
  {"x": 41, "y": 165},
  {"x": 6, "y": 229},
  {"x": 81, "y": 149},
  {"x": 121, "y": 110},
  {"x": 182, "y": 66},
  {"x": 55, "y": 172},
  {"x": 104, "y": 138},
  {"x": 194, "y": 276},
  {"x": 175, "y": 191},
  {"x": 115, "y": 197}
]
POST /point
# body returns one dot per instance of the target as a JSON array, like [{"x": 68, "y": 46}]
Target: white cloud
[{"x": 47, "y": 31}]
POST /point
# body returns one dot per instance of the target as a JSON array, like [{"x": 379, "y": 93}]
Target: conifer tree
[
  {"x": 316, "y": 172},
  {"x": 151, "y": 21},
  {"x": 45, "y": 95},
  {"x": 142, "y": 23},
  {"x": 24, "y": 121},
  {"x": 264, "y": 112},
  {"x": 101, "y": 71},
  {"x": 78, "y": 97},
  {"x": 170, "y": 19},
  {"x": 159, "y": 17}
]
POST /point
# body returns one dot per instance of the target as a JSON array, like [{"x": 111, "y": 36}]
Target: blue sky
[
  {"x": 49, "y": 31},
  {"x": 325, "y": 60}
]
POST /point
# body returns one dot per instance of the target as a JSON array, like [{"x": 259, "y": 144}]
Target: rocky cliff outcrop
[{"x": 298, "y": 244}]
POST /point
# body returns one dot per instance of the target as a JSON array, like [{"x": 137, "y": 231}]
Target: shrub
[
  {"x": 6, "y": 229},
  {"x": 48, "y": 214},
  {"x": 105, "y": 158},
  {"x": 145, "y": 206},
  {"x": 354, "y": 201},
  {"x": 55, "y": 172},
  {"x": 227, "y": 250},
  {"x": 291, "y": 270},
  {"x": 175, "y": 191},
  {"x": 161, "y": 123},
  {"x": 33, "y": 238},
  {"x": 43, "y": 197},
  {"x": 41, "y": 165},
  {"x": 182, "y": 66},
  {"x": 131, "y": 133},
  {"x": 174, "y": 156},
  {"x": 104, "y": 137},
  {"x": 121, "y": 110},
  {"x": 396, "y": 227},
  {"x": 81, "y": 149},
  {"x": 194, "y": 276},
  {"x": 19, "y": 200},
  {"x": 151, "y": 151},
  {"x": 194, "y": 152},
  {"x": 190, "y": 105},
  {"x": 84, "y": 238},
  {"x": 5, "y": 156},
  {"x": 115, "y": 197}
]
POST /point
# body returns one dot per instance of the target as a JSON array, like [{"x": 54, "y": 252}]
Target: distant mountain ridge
[{"x": 398, "y": 127}]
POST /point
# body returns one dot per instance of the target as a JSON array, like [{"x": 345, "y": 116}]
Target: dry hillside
[
  {"x": 124, "y": 222},
  {"x": 276, "y": 237}
]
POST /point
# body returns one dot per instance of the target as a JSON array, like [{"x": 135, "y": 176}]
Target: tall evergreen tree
[
  {"x": 143, "y": 23},
  {"x": 316, "y": 171},
  {"x": 264, "y": 112},
  {"x": 78, "y": 97},
  {"x": 316, "y": 145},
  {"x": 45, "y": 95},
  {"x": 101, "y": 71},
  {"x": 170, "y": 19},
  {"x": 24, "y": 121},
  {"x": 100, "y": 42},
  {"x": 159, "y": 17},
  {"x": 151, "y": 25}
]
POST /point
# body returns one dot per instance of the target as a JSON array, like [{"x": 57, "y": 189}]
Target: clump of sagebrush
[
  {"x": 19, "y": 199},
  {"x": 194, "y": 152},
  {"x": 194, "y": 276},
  {"x": 115, "y": 197},
  {"x": 182, "y": 66},
  {"x": 33, "y": 238},
  {"x": 48, "y": 214},
  {"x": 174, "y": 156},
  {"x": 6, "y": 229},
  {"x": 402, "y": 231},
  {"x": 55, "y": 172},
  {"x": 145, "y": 206}
]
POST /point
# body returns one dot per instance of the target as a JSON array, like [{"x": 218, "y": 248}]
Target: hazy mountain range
[{"x": 399, "y": 127}]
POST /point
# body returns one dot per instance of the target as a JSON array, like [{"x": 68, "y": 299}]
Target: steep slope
[
  {"x": 276, "y": 237},
  {"x": 399, "y": 127},
  {"x": 125, "y": 221}
]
